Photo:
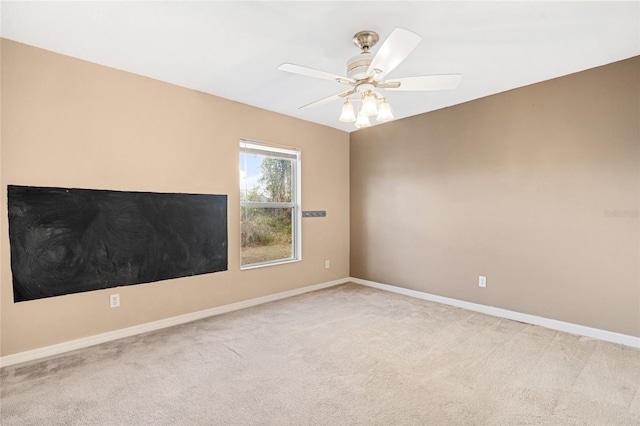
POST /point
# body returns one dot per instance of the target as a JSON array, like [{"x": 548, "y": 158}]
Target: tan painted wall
[
  {"x": 515, "y": 187},
  {"x": 69, "y": 123}
]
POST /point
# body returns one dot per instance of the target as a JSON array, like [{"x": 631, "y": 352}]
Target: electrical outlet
[
  {"x": 114, "y": 300},
  {"x": 327, "y": 264},
  {"x": 482, "y": 281}
]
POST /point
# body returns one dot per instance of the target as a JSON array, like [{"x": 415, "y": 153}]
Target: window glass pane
[
  {"x": 265, "y": 178},
  {"x": 266, "y": 234},
  {"x": 269, "y": 204}
]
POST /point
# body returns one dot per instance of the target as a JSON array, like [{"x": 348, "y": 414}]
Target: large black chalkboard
[{"x": 72, "y": 240}]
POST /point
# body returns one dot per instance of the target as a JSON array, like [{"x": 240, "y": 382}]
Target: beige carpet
[{"x": 348, "y": 355}]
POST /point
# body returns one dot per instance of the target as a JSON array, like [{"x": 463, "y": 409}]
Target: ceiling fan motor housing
[{"x": 358, "y": 65}]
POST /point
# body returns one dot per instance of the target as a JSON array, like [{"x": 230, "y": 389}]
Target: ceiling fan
[{"x": 366, "y": 75}]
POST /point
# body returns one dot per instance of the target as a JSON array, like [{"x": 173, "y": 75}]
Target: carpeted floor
[{"x": 348, "y": 355}]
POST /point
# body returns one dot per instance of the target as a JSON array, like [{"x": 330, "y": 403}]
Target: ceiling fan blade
[
  {"x": 394, "y": 50},
  {"x": 329, "y": 99},
  {"x": 427, "y": 82},
  {"x": 310, "y": 72}
]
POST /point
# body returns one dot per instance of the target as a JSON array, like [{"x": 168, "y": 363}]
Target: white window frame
[{"x": 248, "y": 146}]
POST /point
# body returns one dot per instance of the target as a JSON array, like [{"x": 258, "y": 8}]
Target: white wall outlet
[
  {"x": 114, "y": 300},
  {"x": 482, "y": 281},
  {"x": 327, "y": 264}
]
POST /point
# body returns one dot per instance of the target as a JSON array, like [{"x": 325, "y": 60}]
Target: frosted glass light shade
[
  {"x": 369, "y": 106},
  {"x": 384, "y": 112},
  {"x": 362, "y": 121},
  {"x": 347, "y": 115}
]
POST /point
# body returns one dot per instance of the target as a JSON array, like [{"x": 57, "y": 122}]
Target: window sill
[{"x": 265, "y": 264}]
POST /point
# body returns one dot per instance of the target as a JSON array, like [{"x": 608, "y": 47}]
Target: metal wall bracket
[{"x": 314, "y": 213}]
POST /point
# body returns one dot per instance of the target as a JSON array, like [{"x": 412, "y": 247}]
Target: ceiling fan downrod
[{"x": 358, "y": 65}]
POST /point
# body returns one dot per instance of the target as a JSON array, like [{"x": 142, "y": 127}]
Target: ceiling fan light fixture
[
  {"x": 384, "y": 112},
  {"x": 362, "y": 121},
  {"x": 348, "y": 115},
  {"x": 366, "y": 77},
  {"x": 369, "y": 104}
]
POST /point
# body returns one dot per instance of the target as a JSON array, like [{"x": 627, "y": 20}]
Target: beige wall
[
  {"x": 515, "y": 187},
  {"x": 69, "y": 123}
]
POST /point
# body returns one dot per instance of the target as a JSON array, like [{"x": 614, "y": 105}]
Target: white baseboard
[
  {"x": 60, "y": 348},
  {"x": 155, "y": 325},
  {"x": 581, "y": 330}
]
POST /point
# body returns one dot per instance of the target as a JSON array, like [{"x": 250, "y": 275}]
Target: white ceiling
[{"x": 233, "y": 49}]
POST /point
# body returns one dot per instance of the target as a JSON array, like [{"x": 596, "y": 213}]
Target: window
[{"x": 269, "y": 204}]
